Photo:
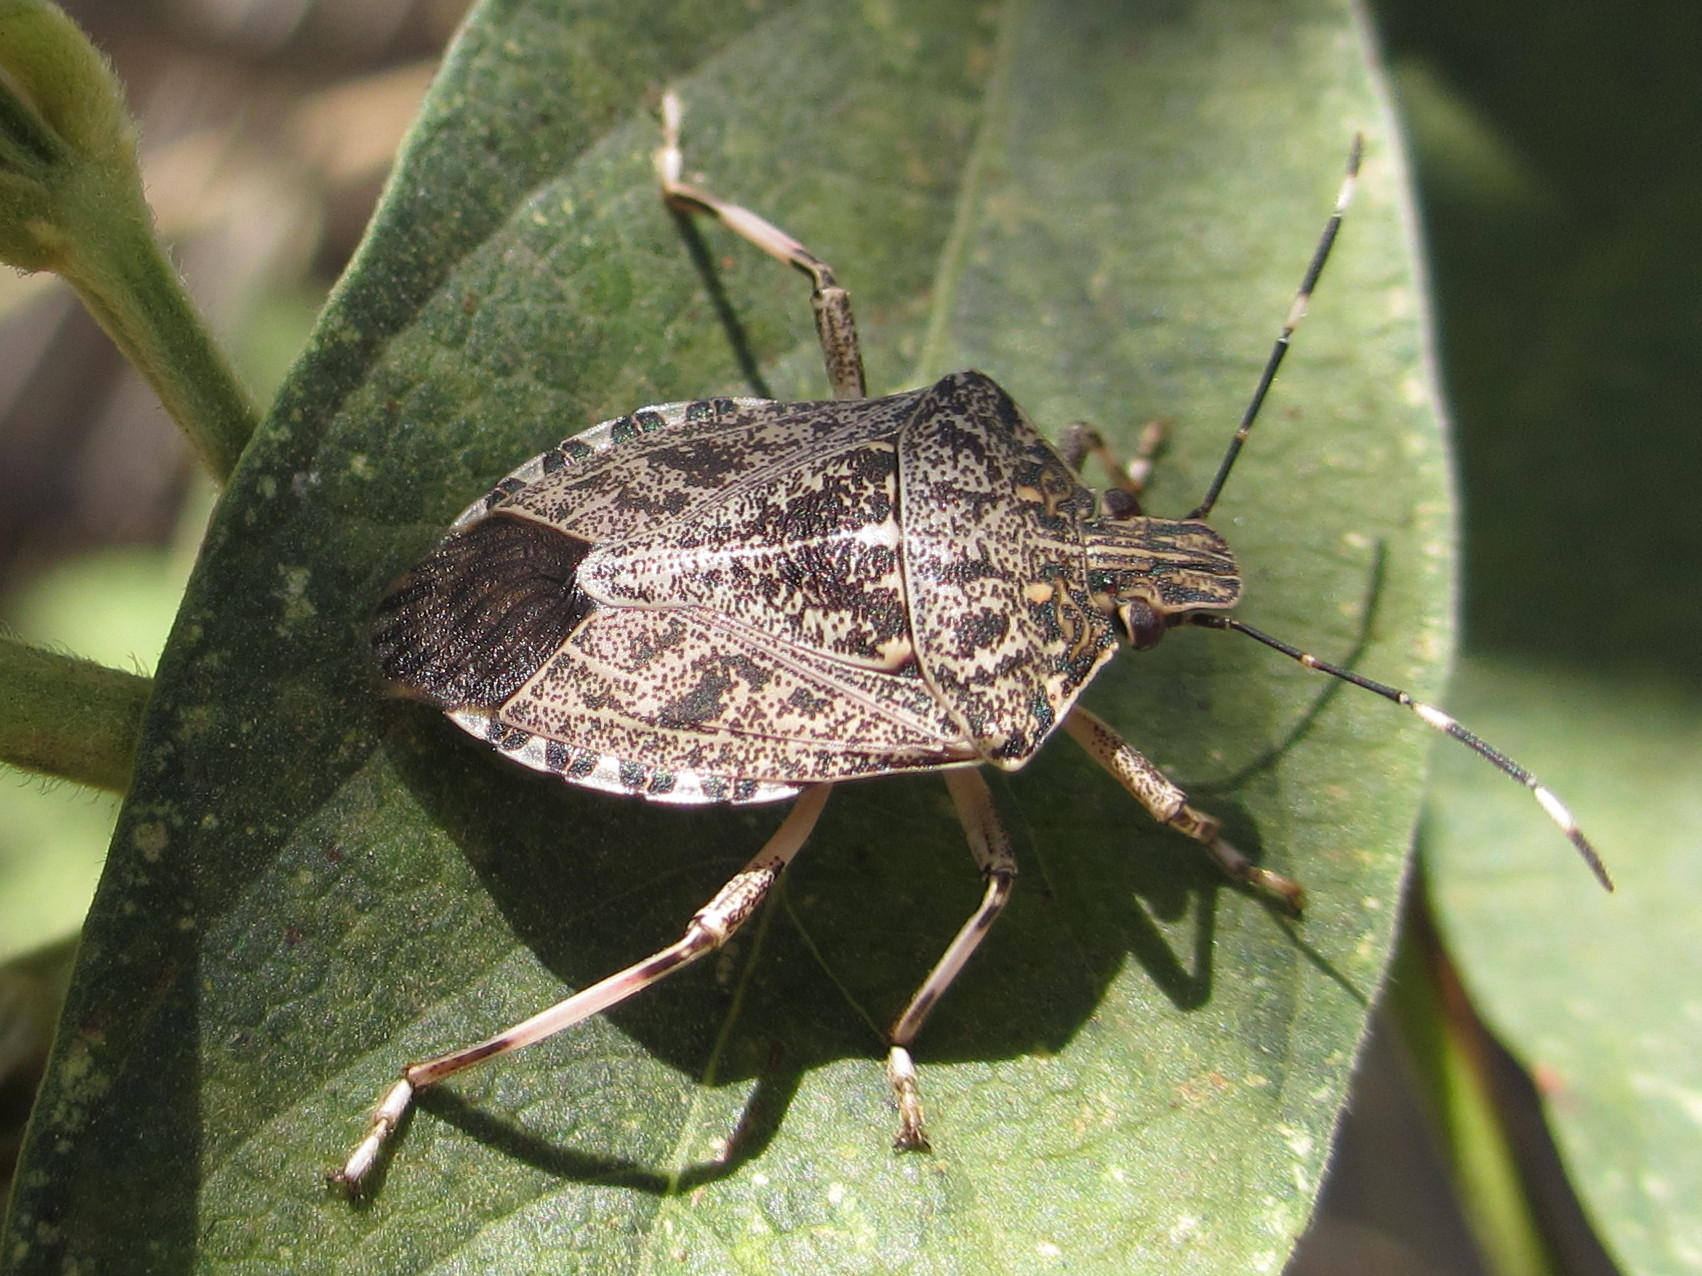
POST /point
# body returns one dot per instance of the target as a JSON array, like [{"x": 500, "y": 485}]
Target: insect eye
[{"x": 1143, "y": 624}]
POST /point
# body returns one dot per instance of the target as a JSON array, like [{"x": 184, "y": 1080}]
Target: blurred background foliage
[
  {"x": 267, "y": 132},
  {"x": 1554, "y": 143}
]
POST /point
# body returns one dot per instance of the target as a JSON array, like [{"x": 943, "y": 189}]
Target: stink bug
[{"x": 742, "y": 601}]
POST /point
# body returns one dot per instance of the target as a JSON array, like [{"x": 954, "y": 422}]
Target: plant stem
[
  {"x": 71, "y": 201},
  {"x": 136, "y": 295},
  {"x": 67, "y": 717}
]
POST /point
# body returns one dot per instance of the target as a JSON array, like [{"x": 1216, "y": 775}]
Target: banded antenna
[{"x": 1552, "y": 805}]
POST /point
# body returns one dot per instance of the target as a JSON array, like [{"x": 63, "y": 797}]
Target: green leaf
[
  {"x": 32, "y": 985},
  {"x": 1596, "y": 996},
  {"x": 1565, "y": 247},
  {"x": 1107, "y": 208}
]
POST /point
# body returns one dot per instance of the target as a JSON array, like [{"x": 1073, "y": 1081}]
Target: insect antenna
[
  {"x": 1442, "y": 722},
  {"x": 1296, "y": 313}
]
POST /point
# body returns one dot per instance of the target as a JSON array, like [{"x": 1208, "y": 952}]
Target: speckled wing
[
  {"x": 806, "y": 554},
  {"x": 635, "y": 473},
  {"x": 662, "y": 699},
  {"x": 735, "y": 625},
  {"x": 1005, "y": 630}
]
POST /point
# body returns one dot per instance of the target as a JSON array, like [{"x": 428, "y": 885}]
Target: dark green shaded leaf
[
  {"x": 1597, "y": 996},
  {"x": 1555, "y": 145}
]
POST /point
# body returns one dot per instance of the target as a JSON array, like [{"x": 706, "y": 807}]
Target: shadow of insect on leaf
[
  {"x": 1267, "y": 761},
  {"x": 738, "y": 339},
  {"x": 764, "y": 1107}
]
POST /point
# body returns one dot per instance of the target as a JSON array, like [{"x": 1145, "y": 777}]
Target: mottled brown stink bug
[{"x": 742, "y": 600}]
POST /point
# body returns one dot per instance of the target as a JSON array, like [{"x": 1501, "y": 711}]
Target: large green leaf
[{"x": 1108, "y": 208}]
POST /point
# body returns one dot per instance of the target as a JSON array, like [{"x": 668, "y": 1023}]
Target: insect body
[
  {"x": 728, "y": 600},
  {"x": 738, "y": 600}
]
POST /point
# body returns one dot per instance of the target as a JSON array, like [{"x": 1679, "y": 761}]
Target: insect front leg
[
  {"x": 991, "y": 846},
  {"x": 710, "y": 927},
  {"x": 1128, "y": 478},
  {"x": 1168, "y": 804},
  {"x": 834, "y": 324}
]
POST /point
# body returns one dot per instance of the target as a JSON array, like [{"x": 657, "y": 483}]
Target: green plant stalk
[
  {"x": 67, "y": 717},
  {"x": 1449, "y": 1049},
  {"x": 71, "y": 201},
  {"x": 136, "y": 295}
]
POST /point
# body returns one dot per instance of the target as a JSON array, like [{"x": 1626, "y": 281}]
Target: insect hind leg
[
  {"x": 1168, "y": 804},
  {"x": 710, "y": 927},
  {"x": 991, "y": 846},
  {"x": 835, "y": 327}
]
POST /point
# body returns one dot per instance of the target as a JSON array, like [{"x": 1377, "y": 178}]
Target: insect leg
[
  {"x": 834, "y": 324},
  {"x": 991, "y": 846},
  {"x": 1168, "y": 804},
  {"x": 708, "y": 929},
  {"x": 1129, "y": 478}
]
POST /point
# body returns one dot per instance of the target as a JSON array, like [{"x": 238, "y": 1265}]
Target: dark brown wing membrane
[{"x": 475, "y": 620}]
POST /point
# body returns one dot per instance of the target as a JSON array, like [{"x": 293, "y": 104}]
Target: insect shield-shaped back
[{"x": 727, "y": 600}]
